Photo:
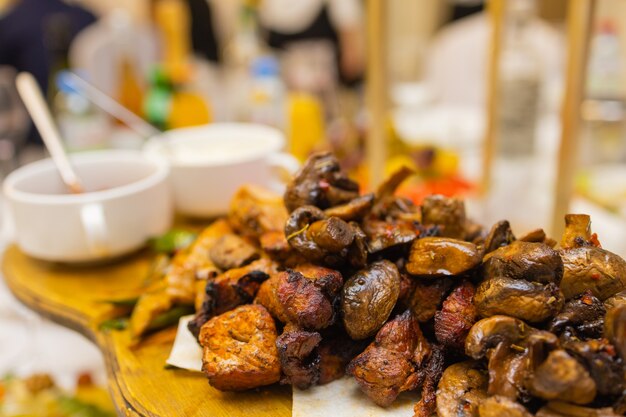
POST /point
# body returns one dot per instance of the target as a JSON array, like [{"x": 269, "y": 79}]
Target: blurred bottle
[
  {"x": 519, "y": 74},
  {"x": 604, "y": 110},
  {"x": 305, "y": 124},
  {"x": 172, "y": 101},
  {"x": 267, "y": 93},
  {"x": 81, "y": 124}
]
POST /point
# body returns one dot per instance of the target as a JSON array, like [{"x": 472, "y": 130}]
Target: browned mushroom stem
[
  {"x": 596, "y": 269},
  {"x": 577, "y": 231},
  {"x": 320, "y": 183},
  {"x": 499, "y": 235},
  {"x": 355, "y": 209},
  {"x": 369, "y": 297},
  {"x": 461, "y": 389},
  {"x": 438, "y": 256},
  {"x": 561, "y": 377},
  {"x": 446, "y": 212},
  {"x": 389, "y": 186}
]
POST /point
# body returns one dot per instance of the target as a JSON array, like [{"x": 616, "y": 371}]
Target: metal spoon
[{"x": 40, "y": 113}]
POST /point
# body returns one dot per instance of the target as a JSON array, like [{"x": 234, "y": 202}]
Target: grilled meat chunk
[
  {"x": 299, "y": 359},
  {"x": 431, "y": 374},
  {"x": 439, "y": 256},
  {"x": 231, "y": 251},
  {"x": 239, "y": 349},
  {"x": 425, "y": 297},
  {"x": 390, "y": 364},
  {"x": 336, "y": 351},
  {"x": 456, "y": 318},
  {"x": 255, "y": 211},
  {"x": 369, "y": 297},
  {"x": 320, "y": 183},
  {"x": 231, "y": 289}
]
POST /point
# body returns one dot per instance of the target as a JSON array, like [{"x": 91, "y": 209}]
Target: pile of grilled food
[{"x": 324, "y": 282}]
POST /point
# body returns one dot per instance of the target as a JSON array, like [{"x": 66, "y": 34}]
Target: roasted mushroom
[
  {"x": 369, "y": 297},
  {"x": 239, "y": 349},
  {"x": 499, "y": 235},
  {"x": 461, "y": 389},
  {"x": 389, "y": 365},
  {"x": 577, "y": 231},
  {"x": 231, "y": 251},
  {"x": 320, "y": 183},
  {"x": 561, "y": 377},
  {"x": 584, "y": 315},
  {"x": 562, "y": 409},
  {"x": 355, "y": 209},
  {"x": 447, "y": 213},
  {"x": 533, "y": 262},
  {"x": 615, "y": 329},
  {"x": 596, "y": 269},
  {"x": 438, "y": 256},
  {"x": 499, "y": 406},
  {"x": 530, "y": 301}
]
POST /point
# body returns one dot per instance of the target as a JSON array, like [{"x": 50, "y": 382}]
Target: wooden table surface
[{"x": 138, "y": 381}]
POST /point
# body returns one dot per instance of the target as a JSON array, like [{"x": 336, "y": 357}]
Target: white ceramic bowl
[
  {"x": 209, "y": 163},
  {"x": 127, "y": 201}
]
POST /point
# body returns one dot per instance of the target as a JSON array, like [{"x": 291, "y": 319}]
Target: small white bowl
[
  {"x": 127, "y": 201},
  {"x": 209, "y": 163}
]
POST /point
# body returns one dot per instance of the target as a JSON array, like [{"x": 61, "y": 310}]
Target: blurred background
[{"x": 301, "y": 66}]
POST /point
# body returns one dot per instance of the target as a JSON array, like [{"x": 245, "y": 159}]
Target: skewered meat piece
[
  {"x": 299, "y": 359},
  {"x": 230, "y": 251},
  {"x": 561, "y": 377},
  {"x": 369, "y": 297},
  {"x": 390, "y": 364},
  {"x": 432, "y": 371},
  {"x": 446, "y": 212},
  {"x": 596, "y": 269},
  {"x": 306, "y": 300},
  {"x": 239, "y": 349},
  {"x": 461, "y": 390},
  {"x": 439, "y": 256},
  {"x": 525, "y": 260},
  {"x": 194, "y": 263},
  {"x": 255, "y": 211},
  {"x": 456, "y": 318},
  {"x": 500, "y": 235},
  {"x": 326, "y": 240},
  {"x": 584, "y": 315},
  {"x": 320, "y": 183},
  {"x": 231, "y": 289},
  {"x": 425, "y": 297}
]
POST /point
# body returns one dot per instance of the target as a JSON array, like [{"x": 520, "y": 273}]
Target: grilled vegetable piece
[
  {"x": 320, "y": 183},
  {"x": 438, "y": 256},
  {"x": 255, "y": 211},
  {"x": 239, "y": 349},
  {"x": 596, "y": 269},
  {"x": 369, "y": 297},
  {"x": 461, "y": 389},
  {"x": 389, "y": 365},
  {"x": 456, "y": 318},
  {"x": 148, "y": 308},
  {"x": 447, "y": 213}
]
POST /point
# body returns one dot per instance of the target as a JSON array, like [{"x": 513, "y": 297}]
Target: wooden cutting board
[{"x": 138, "y": 381}]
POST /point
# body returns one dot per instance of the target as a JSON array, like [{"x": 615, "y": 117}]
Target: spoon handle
[{"x": 35, "y": 104}]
